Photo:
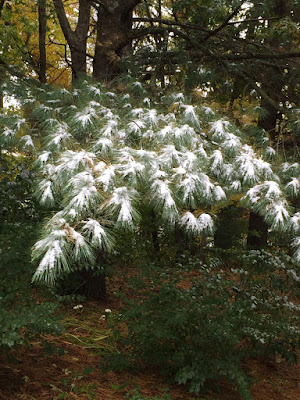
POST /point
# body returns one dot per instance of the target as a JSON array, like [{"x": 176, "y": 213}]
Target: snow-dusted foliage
[{"x": 105, "y": 155}]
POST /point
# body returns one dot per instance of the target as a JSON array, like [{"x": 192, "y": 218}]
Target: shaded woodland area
[{"x": 149, "y": 186}]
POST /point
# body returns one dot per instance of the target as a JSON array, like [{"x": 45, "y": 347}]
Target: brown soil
[{"x": 35, "y": 374}]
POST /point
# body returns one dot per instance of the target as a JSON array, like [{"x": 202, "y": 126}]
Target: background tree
[
  {"x": 76, "y": 38},
  {"x": 114, "y": 37},
  {"x": 42, "y": 40}
]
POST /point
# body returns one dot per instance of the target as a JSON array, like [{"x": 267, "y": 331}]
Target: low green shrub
[
  {"x": 24, "y": 312},
  {"x": 198, "y": 322},
  {"x": 16, "y": 194}
]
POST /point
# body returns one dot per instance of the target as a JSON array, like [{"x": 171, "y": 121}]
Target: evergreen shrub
[{"x": 198, "y": 322}]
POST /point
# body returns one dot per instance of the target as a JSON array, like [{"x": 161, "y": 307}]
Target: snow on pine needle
[
  {"x": 81, "y": 192},
  {"x": 293, "y": 187},
  {"x": 103, "y": 156},
  {"x": 163, "y": 201},
  {"x": 121, "y": 204},
  {"x": 196, "y": 226},
  {"x": 296, "y": 247},
  {"x": 268, "y": 200},
  {"x": 294, "y": 223},
  {"x": 97, "y": 235}
]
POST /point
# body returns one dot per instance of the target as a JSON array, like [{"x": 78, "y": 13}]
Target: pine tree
[{"x": 104, "y": 156}]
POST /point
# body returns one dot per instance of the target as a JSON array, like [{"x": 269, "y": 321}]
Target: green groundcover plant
[{"x": 198, "y": 322}]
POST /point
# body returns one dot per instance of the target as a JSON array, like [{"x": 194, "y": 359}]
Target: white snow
[
  {"x": 294, "y": 186},
  {"x": 122, "y": 198},
  {"x": 219, "y": 128},
  {"x": 191, "y": 116},
  {"x": 93, "y": 228},
  {"x": 107, "y": 177},
  {"x": 206, "y": 223},
  {"x": 190, "y": 222},
  {"x": 44, "y": 156},
  {"x": 47, "y": 194},
  {"x": 161, "y": 189},
  {"x": 294, "y": 223}
]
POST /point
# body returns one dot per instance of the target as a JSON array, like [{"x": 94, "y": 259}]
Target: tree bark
[
  {"x": 257, "y": 232},
  {"x": 114, "y": 25},
  {"x": 1, "y": 94},
  {"x": 229, "y": 228},
  {"x": 77, "y": 39},
  {"x": 42, "y": 40},
  {"x": 95, "y": 285}
]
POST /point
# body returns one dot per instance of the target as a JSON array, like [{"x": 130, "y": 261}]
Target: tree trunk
[
  {"x": 258, "y": 229},
  {"x": 42, "y": 40},
  {"x": 114, "y": 26},
  {"x": 1, "y": 6},
  {"x": 2, "y": 70},
  {"x": 89, "y": 283},
  {"x": 258, "y": 232},
  {"x": 77, "y": 39},
  {"x": 95, "y": 285},
  {"x": 230, "y": 227},
  {"x": 78, "y": 60},
  {"x": 1, "y": 91}
]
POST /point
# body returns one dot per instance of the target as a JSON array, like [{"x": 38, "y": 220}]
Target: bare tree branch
[
  {"x": 252, "y": 82},
  {"x": 14, "y": 71},
  {"x": 246, "y": 21},
  {"x": 42, "y": 40},
  {"x": 156, "y": 30},
  {"x": 171, "y": 23},
  {"x": 225, "y": 23},
  {"x": 176, "y": 22},
  {"x": 252, "y": 56}
]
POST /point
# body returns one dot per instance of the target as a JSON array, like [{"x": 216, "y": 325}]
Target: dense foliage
[
  {"x": 198, "y": 322},
  {"x": 23, "y": 314},
  {"x": 109, "y": 159}
]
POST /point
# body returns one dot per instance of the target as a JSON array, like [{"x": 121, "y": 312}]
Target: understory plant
[
  {"x": 25, "y": 312},
  {"x": 199, "y": 322}
]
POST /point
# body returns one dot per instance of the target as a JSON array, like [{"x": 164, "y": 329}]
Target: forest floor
[{"x": 65, "y": 367}]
